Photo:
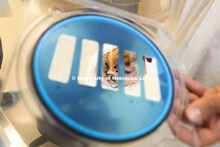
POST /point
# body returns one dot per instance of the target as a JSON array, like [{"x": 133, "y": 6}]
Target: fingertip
[
  {"x": 204, "y": 108},
  {"x": 194, "y": 86},
  {"x": 200, "y": 89},
  {"x": 194, "y": 115}
]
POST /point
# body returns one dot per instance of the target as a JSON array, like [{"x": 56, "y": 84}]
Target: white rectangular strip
[
  {"x": 109, "y": 49},
  {"x": 132, "y": 85},
  {"x": 88, "y": 63},
  {"x": 151, "y": 81},
  {"x": 60, "y": 68}
]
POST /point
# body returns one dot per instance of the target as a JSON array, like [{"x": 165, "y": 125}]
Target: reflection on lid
[{"x": 151, "y": 80}]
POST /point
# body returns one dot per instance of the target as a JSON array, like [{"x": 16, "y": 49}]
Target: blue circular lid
[{"x": 102, "y": 77}]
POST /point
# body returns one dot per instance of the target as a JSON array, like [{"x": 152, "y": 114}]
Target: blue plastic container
[{"x": 93, "y": 111}]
